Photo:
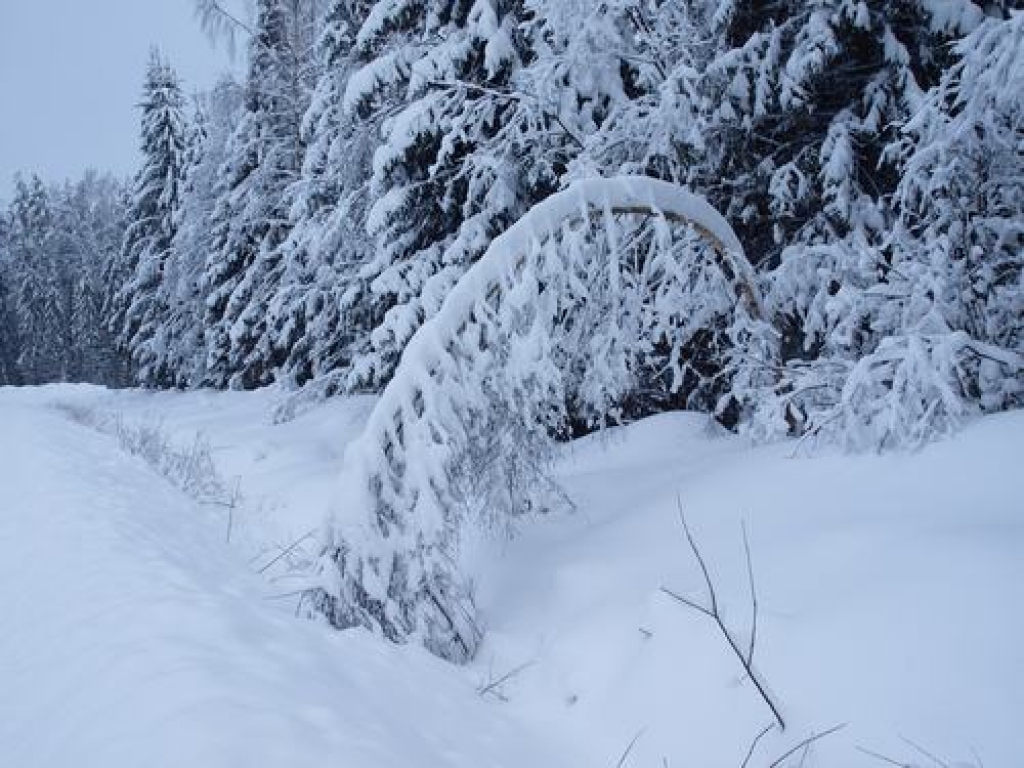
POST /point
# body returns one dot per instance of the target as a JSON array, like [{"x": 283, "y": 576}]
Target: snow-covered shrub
[
  {"x": 592, "y": 293},
  {"x": 190, "y": 468}
]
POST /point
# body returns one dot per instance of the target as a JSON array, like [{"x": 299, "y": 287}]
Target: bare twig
[
  {"x": 753, "y": 744},
  {"x": 687, "y": 602},
  {"x": 207, "y": 9},
  {"x": 803, "y": 756},
  {"x": 805, "y": 743},
  {"x": 712, "y": 596},
  {"x": 931, "y": 757},
  {"x": 712, "y": 611}
]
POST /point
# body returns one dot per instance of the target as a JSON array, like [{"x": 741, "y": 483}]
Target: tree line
[{"x": 57, "y": 245}]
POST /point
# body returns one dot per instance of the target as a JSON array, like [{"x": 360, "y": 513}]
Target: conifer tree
[
  {"x": 9, "y": 350},
  {"x": 94, "y": 212},
  {"x": 860, "y": 356},
  {"x": 463, "y": 155},
  {"x": 181, "y": 342},
  {"x": 136, "y": 312},
  {"x": 251, "y": 220},
  {"x": 318, "y": 309}
]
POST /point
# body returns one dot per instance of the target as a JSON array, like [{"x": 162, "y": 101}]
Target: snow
[
  {"x": 889, "y": 589},
  {"x": 136, "y": 638},
  {"x": 889, "y": 592}
]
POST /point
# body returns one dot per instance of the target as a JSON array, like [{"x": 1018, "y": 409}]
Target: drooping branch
[{"x": 389, "y": 554}]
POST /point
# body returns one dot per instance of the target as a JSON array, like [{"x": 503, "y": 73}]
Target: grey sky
[{"x": 71, "y": 73}]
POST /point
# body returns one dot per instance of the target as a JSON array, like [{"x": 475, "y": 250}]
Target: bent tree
[{"x": 593, "y": 294}]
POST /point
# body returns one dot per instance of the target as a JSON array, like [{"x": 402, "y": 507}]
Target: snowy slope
[
  {"x": 891, "y": 591},
  {"x": 133, "y": 637}
]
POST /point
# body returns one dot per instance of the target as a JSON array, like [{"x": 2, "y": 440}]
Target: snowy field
[{"x": 890, "y": 593}]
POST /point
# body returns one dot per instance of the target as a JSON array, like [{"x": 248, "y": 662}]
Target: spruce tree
[
  {"x": 858, "y": 357},
  {"x": 136, "y": 312},
  {"x": 181, "y": 338},
  {"x": 9, "y": 348},
  {"x": 94, "y": 230}
]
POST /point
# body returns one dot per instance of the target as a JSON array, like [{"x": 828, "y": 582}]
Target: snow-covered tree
[
  {"x": 9, "y": 344},
  {"x": 180, "y": 339},
  {"x": 136, "y": 312},
  {"x": 55, "y": 246},
  {"x": 96, "y": 204},
  {"x": 555, "y": 322},
  {"x": 317, "y": 305},
  {"x": 251, "y": 218}
]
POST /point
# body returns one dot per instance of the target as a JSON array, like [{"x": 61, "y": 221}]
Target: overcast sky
[{"x": 71, "y": 73}]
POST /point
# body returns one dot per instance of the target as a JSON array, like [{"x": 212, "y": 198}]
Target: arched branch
[{"x": 389, "y": 556}]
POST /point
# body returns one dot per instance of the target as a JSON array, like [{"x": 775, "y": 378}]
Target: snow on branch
[{"x": 561, "y": 309}]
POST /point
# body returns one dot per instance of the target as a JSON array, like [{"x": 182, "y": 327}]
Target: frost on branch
[{"x": 591, "y": 294}]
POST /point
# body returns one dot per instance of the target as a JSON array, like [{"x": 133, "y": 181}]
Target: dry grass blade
[
  {"x": 805, "y": 743},
  {"x": 629, "y": 748},
  {"x": 753, "y": 744}
]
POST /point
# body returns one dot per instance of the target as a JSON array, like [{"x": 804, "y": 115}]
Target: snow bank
[{"x": 890, "y": 589}]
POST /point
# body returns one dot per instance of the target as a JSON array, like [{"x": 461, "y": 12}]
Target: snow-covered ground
[{"x": 891, "y": 596}]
